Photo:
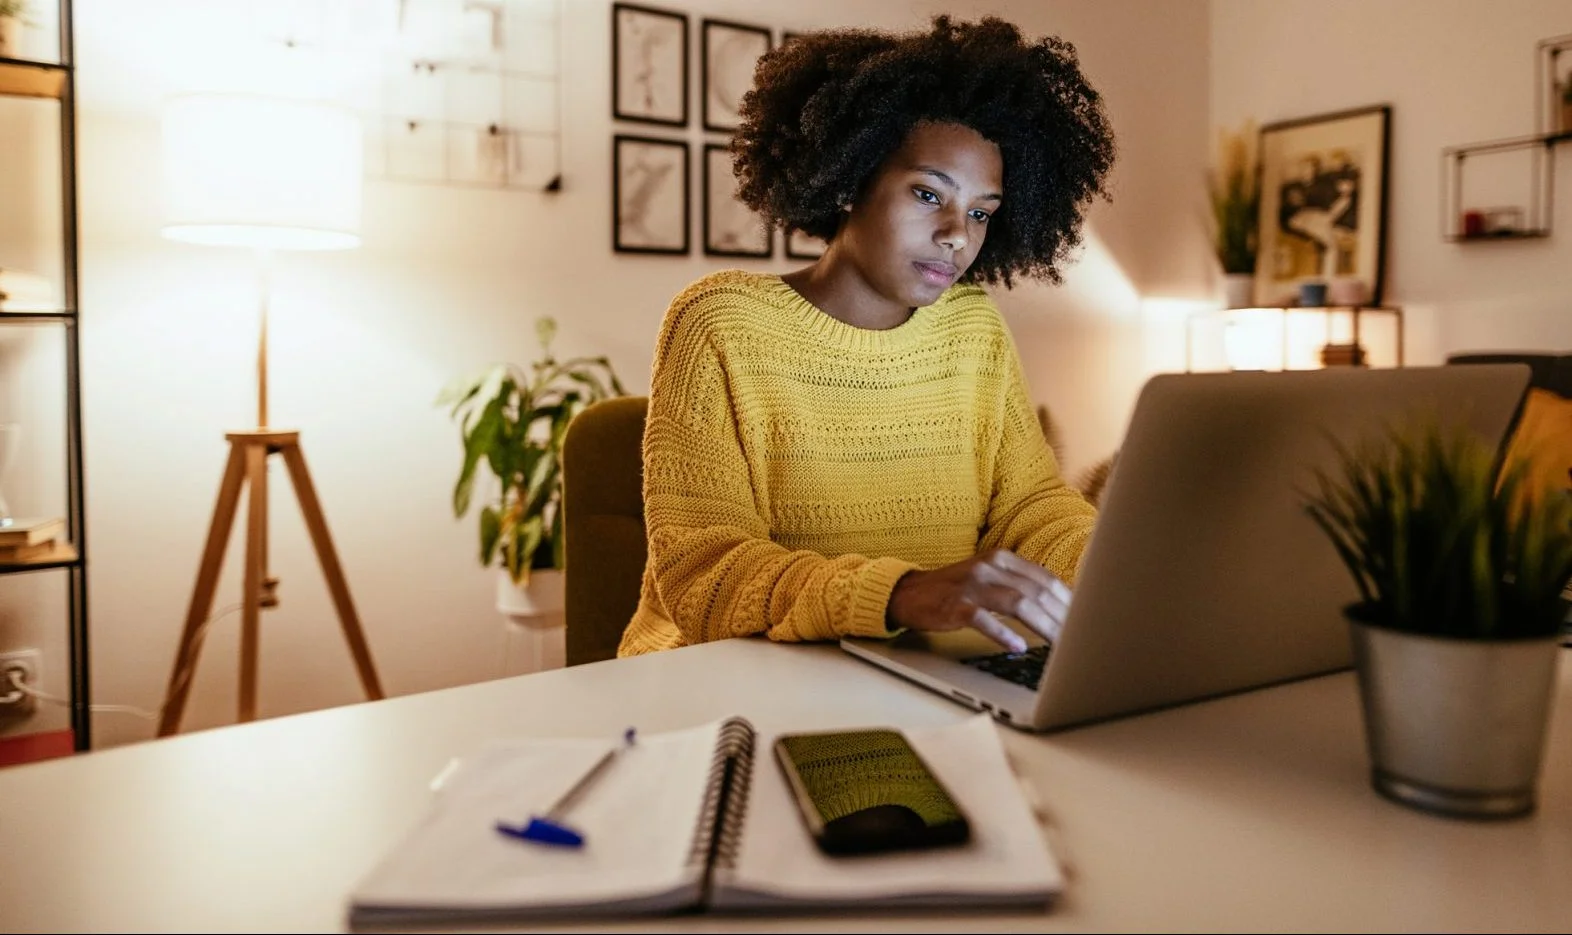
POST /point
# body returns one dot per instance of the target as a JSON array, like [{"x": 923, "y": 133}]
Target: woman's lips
[{"x": 936, "y": 272}]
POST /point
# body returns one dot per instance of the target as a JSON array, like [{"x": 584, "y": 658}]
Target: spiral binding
[{"x": 725, "y": 798}]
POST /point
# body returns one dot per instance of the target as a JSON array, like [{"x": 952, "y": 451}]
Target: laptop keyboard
[{"x": 1021, "y": 668}]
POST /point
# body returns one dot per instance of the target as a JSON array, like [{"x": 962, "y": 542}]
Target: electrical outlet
[{"x": 27, "y": 661}]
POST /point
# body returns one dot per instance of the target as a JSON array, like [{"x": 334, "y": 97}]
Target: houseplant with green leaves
[
  {"x": 512, "y": 420},
  {"x": 1235, "y": 194},
  {"x": 1461, "y": 566}
]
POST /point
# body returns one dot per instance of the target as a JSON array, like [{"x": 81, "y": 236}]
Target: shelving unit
[
  {"x": 1328, "y": 334},
  {"x": 1536, "y": 206},
  {"x": 55, "y": 81}
]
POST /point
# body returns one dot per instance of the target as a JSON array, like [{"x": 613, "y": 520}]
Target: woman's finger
[
  {"x": 1018, "y": 599},
  {"x": 1054, "y": 594},
  {"x": 993, "y": 628}
]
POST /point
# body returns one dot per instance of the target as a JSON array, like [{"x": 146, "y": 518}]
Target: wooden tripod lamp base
[{"x": 248, "y": 455}]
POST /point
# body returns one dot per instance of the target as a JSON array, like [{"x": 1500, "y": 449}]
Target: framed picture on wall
[
  {"x": 649, "y": 65},
  {"x": 649, "y": 195},
  {"x": 1323, "y": 204},
  {"x": 800, "y": 246},
  {"x": 731, "y": 228},
  {"x": 728, "y": 53}
]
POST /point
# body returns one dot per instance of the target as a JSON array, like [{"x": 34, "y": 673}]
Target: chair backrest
[
  {"x": 1544, "y": 429},
  {"x": 603, "y": 525},
  {"x": 1551, "y": 372}
]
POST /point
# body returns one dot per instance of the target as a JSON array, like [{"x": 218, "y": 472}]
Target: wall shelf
[
  {"x": 20, "y": 78},
  {"x": 1526, "y": 213},
  {"x": 55, "y": 83},
  {"x": 63, "y": 555}
]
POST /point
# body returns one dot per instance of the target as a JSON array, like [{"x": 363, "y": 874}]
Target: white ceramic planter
[
  {"x": 534, "y": 634},
  {"x": 1238, "y": 290}
]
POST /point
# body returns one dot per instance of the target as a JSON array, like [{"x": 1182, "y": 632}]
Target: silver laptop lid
[{"x": 1205, "y": 575}]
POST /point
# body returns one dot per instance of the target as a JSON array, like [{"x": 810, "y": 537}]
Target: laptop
[{"x": 1204, "y": 575}]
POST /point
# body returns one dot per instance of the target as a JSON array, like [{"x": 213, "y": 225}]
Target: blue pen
[{"x": 549, "y": 828}]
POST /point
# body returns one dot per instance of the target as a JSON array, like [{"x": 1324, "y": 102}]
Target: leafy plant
[
  {"x": 1443, "y": 543},
  {"x": 514, "y": 420},
  {"x": 1235, "y": 189}
]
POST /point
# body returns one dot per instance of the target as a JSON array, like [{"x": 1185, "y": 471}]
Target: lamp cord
[{"x": 17, "y": 685}]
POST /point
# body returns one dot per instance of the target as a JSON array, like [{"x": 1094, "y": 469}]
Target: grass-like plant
[
  {"x": 513, "y": 420},
  {"x": 1235, "y": 192},
  {"x": 1442, "y": 541}
]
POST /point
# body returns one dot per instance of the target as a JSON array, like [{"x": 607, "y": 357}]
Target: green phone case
[{"x": 864, "y": 791}]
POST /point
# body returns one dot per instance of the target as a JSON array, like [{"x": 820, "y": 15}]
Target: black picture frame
[
  {"x": 729, "y": 225},
  {"x": 726, "y": 61},
  {"x": 800, "y": 246},
  {"x": 649, "y": 196},
  {"x": 649, "y": 50},
  {"x": 1325, "y": 183}
]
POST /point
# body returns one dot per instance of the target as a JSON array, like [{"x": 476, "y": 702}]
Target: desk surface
[{"x": 1245, "y": 813}]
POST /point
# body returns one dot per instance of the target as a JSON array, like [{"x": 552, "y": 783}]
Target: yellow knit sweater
[{"x": 796, "y": 466}]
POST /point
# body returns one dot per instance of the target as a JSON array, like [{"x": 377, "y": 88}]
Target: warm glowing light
[
  {"x": 1253, "y": 339},
  {"x": 250, "y": 171}
]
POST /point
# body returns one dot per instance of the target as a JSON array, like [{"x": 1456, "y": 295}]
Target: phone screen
[{"x": 864, "y": 791}]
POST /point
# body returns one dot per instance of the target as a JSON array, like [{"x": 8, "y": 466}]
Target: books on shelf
[
  {"x": 691, "y": 820},
  {"x": 25, "y": 533}
]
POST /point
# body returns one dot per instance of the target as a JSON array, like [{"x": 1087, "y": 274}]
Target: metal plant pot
[{"x": 1455, "y": 726}]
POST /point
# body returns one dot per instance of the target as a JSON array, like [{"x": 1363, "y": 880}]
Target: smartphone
[{"x": 867, "y": 791}]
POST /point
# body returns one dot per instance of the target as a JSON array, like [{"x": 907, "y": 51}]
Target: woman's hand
[{"x": 969, "y": 593}]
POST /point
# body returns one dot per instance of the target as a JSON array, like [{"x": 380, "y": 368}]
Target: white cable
[{"x": 20, "y": 687}]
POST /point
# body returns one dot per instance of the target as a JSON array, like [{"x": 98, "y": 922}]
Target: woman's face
[{"x": 924, "y": 216}]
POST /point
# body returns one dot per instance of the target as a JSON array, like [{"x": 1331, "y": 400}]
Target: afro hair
[{"x": 827, "y": 109}]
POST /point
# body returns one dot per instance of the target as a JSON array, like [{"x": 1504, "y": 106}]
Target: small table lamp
[{"x": 268, "y": 174}]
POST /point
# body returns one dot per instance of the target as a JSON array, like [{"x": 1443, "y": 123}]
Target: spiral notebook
[{"x": 693, "y": 820}]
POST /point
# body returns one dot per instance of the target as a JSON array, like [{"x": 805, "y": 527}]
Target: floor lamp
[{"x": 266, "y": 174}]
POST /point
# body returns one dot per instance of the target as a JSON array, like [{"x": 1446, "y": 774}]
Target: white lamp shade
[{"x": 272, "y": 173}]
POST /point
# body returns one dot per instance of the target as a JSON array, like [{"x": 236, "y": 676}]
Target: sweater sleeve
[
  {"x": 1033, "y": 512},
  {"x": 715, "y": 570}
]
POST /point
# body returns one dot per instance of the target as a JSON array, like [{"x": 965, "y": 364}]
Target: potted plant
[
  {"x": 1235, "y": 191},
  {"x": 12, "y": 13},
  {"x": 1461, "y": 568},
  {"x": 512, "y": 420}
]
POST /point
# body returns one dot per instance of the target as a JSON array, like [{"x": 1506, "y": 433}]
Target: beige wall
[
  {"x": 1454, "y": 71},
  {"x": 450, "y": 279}
]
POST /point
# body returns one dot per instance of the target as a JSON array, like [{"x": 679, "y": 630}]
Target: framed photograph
[
  {"x": 649, "y": 65},
  {"x": 1323, "y": 204},
  {"x": 800, "y": 246},
  {"x": 730, "y": 227},
  {"x": 728, "y": 53},
  {"x": 649, "y": 195}
]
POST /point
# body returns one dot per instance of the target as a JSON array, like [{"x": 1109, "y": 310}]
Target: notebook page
[
  {"x": 1005, "y": 862},
  {"x": 638, "y": 822}
]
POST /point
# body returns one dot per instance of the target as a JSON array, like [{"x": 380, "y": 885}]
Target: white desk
[{"x": 1247, "y": 813}]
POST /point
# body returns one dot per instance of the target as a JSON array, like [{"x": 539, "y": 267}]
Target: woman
[{"x": 849, "y": 449}]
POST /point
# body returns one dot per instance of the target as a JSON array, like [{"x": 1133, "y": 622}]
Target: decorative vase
[
  {"x": 1455, "y": 726},
  {"x": 10, "y": 37},
  {"x": 535, "y": 637},
  {"x": 10, "y": 432},
  {"x": 1238, "y": 290}
]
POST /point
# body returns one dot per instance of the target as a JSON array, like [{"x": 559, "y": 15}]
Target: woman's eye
[
  {"x": 924, "y": 195},
  {"x": 980, "y": 216}
]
